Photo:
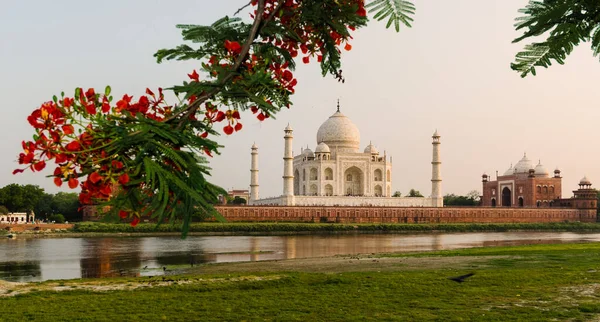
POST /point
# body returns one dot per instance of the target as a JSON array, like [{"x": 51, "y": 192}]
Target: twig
[
  {"x": 242, "y": 8},
  {"x": 238, "y": 62}
]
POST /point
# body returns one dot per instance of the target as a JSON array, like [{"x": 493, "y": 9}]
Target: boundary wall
[{"x": 404, "y": 214}]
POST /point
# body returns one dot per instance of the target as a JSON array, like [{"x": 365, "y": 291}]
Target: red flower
[
  {"x": 106, "y": 190},
  {"x": 254, "y": 109},
  {"x": 124, "y": 178},
  {"x": 194, "y": 76},
  {"x": 235, "y": 115},
  {"x": 228, "y": 129},
  {"x": 90, "y": 94},
  {"x": 123, "y": 214},
  {"x": 95, "y": 177},
  {"x": 135, "y": 221},
  {"x": 39, "y": 166},
  {"x": 306, "y": 60},
  {"x": 73, "y": 146},
  {"x": 260, "y": 117},
  {"x": 68, "y": 102},
  {"x": 233, "y": 47},
  {"x": 58, "y": 182},
  {"x": 287, "y": 75},
  {"x": 117, "y": 164},
  {"x": 73, "y": 183},
  {"x": 105, "y": 105},
  {"x": 68, "y": 129},
  {"x": 91, "y": 108},
  {"x": 61, "y": 158},
  {"x": 348, "y": 47},
  {"x": 238, "y": 126},
  {"x": 204, "y": 135}
]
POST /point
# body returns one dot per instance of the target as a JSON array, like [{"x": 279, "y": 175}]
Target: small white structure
[
  {"x": 17, "y": 218},
  {"x": 337, "y": 173}
]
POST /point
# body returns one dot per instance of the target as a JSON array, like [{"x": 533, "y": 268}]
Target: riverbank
[
  {"x": 97, "y": 229},
  {"x": 533, "y": 283}
]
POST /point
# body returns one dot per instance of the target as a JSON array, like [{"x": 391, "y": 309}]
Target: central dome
[{"x": 339, "y": 133}]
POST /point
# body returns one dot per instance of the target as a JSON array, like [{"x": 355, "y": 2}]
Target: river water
[{"x": 39, "y": 259}]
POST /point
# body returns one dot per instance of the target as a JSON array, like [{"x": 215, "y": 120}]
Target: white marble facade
[{"x": 337, "y": 172}]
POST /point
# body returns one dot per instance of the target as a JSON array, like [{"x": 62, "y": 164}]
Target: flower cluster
[{"x": 71, "y": 132}]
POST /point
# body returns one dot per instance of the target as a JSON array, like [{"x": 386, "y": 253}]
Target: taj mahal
[{"x": 338, "y": 173}]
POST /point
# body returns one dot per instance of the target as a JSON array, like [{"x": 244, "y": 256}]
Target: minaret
[
  {"x": 436, "y": 173},
  {"x": 288, "y": 168},
  {"x": 254, "y": 174}
]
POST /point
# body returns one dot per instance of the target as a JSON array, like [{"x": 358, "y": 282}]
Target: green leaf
[{"x": 396, "y": 11}]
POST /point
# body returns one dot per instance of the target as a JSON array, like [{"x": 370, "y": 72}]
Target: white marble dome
[
  {"x": 339, "y": 133},
  {"x": 540, "y": 170},
  {"x": 322, "y": 148},
  {"x": 308, "y": 153},
  {"x": 509, "y": 171},
  {"x": 523, "y": 165},
  {"x": 371, "y": 149}
]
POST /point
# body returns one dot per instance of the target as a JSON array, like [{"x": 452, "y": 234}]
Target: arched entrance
[
  {"x": 506, "y": 197},
  {"x": 328, "y": 190},
  {"x": 297, "y": 183},
  {"x": 378, "y": 191},
  {"x": 493, "y": 202},
  {"x": 520, "y": 201},
  {"x": 353, "y": 178}
]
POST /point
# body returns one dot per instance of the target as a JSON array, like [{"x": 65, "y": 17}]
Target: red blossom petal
[
  {"x": 348, "y": 47},
  {"x": 95, "y": 177},
  {"x": 254, "y": 109},
  {"x": 39, "y": 166},
  {"x": 228, "y": 129},
  {"x": 135, "y": 221},
  {"x": 235, "y": 115},
  {"x": 123, "y": 214},
  {"x": 238, "y": 126},
  {"x": 73, "y": 146},
  {"x": 306, "y": 60},
  {"x": 58, "y": 182},
  {"x": 194, "y": 76},
  {"x": 68, "y": 129},
  {"x": 18, "y": 171},
  {"x": 260, "y": 117},
  {"x": 124, "y": 178},
  {"x": 73, "y": 183}
]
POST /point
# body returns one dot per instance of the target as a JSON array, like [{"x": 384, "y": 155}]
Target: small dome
[
  {"x": 510, "y": 171},
  {"x": 308, "y": 153},
  {"x": 523, "y": 165},
  {"x": 322, "y": 148},
  {"x": 288, "y": 128},
  {"x": 371, "y": 149},
  {"x": 540, "y": 170},
  {"x": 585, "y": 181},
  {"x": 435, "y": 134},
  {"x": 339, "y": 131},
  {"x": 484, "y": 175},
  {"x": 254, "y": 146},
  {"x": 556, "y": 170}
]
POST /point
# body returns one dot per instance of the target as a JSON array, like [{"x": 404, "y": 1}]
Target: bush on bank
[{"x": 325, "y": 227}]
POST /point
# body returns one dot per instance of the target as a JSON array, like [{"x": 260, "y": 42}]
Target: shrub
[{"x": 57, "y": 218}]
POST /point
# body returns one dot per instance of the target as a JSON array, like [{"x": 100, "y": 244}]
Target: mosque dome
[
  {"x": 371, "y": 149},
  {"x": 540, "y": 170},
  {"x": 322, "y": 148},
  {"x": 585, "y": 181},
  {"x": 523, "y": 165},
  {"x": 510, "y": 171},
  {"x": 339, "y": 132},
  {"x": 308, "y": 153}
]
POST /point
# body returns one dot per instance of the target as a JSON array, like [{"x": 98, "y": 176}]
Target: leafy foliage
[
  {"x": 565, "y": 24},
  {"x": 414, "y": 193},
  {"x": 147, "y": 158},
  {"x": 396, "y": 11}
]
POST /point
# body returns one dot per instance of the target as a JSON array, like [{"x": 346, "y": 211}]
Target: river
[{"x": 39, "y": 259}]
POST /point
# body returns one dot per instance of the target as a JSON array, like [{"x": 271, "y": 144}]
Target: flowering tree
[{"x": 145, "y": 157}]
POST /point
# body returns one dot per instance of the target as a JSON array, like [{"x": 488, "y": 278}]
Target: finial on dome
[{"x": 338, "y": 105}]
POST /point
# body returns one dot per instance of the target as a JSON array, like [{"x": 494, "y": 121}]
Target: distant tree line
[
  {"x": 25, "y": 198},
  {"x": 471, "y": 199}
]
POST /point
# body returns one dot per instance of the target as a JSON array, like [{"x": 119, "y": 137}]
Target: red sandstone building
[{"x": 527, "y": 186}]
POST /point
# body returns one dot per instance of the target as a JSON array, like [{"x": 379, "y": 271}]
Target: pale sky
[{"x": 449, "y": 72}]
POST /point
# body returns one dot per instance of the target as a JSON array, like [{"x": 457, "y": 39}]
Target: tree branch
[
  {"x": 242, "y": 8},
  {"x": 192, "y": 108}
]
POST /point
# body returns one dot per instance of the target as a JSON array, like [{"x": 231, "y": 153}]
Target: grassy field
[
  {"x": 528, "y": 283},
  {"x": 245, "y": 228}
]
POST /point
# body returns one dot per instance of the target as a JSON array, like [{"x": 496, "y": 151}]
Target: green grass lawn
[{"x": 528, "y": 283}]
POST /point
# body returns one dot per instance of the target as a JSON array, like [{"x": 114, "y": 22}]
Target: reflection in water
[
  {"x": 32, "y": 259},
  {"x": 110, "y": 257},
  {"x": 19, "y": 271}
]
